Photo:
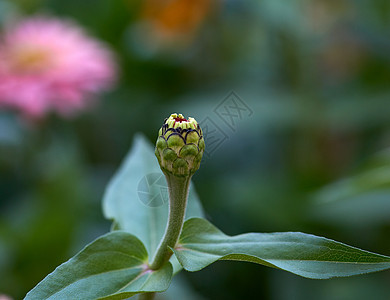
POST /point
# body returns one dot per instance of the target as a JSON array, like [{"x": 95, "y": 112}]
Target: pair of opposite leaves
[{"x": 114, "y": 266}]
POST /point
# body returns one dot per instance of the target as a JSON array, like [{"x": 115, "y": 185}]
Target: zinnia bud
[{"x": 180, "y": 145}]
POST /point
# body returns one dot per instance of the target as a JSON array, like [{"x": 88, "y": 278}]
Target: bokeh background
[{"x": 306, "y": 152}]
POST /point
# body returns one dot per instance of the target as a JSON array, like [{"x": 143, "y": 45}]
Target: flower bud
[{"x": 180, "y": 145}]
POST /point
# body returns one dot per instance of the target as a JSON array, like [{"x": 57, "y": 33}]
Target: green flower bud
[{"x": 180, "y": 145}]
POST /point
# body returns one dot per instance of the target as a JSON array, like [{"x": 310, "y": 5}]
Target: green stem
[
  {"x": 146, "y": 296},
  {"x": 178, "y": 192}
]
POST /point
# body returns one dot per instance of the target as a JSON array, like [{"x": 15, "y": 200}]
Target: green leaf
[
  {"x": 359, "y": 200},
  {"x": 373, "y": 180},
  {"x": 138, "y": 204},
  {"x": 111, "y": 267},
  {"x": 306, "y": 255},
  {"x": 374, "y": 177}
]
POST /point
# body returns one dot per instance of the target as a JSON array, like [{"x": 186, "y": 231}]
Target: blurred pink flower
[{"x": 48, "y": 64}]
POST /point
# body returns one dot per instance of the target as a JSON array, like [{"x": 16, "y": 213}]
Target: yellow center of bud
[{"x": 178, "y": 120}]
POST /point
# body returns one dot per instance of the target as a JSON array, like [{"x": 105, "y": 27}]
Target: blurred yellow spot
[
  {"x": 176, "y": 20},
  {"x": 30, "y": 60}
]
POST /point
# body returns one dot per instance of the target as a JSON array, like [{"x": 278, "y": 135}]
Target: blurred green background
[{"x": 307, "y": 152}]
